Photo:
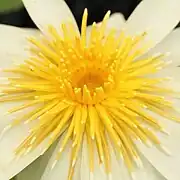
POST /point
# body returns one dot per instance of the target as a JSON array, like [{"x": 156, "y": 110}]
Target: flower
[{"x": 102, "y": 93}]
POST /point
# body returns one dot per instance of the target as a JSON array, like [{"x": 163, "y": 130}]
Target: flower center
[
  {"x": 92, "y": 81},
  {"x": 90, "y": 84},
  {"x": 92, "y": 77}
]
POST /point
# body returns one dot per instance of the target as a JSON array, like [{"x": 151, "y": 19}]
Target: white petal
[
  {"x": 116, "y": 21},
  {"x": 14, "y": 44},
  {"x": 147, "y": 172},
  {"x": 156, "y": 17},
  {"x": 10, "y": 141},
  {"x": 85, "y": 170},
  {"x": 49, "y": 12},
  {"x": 119, "y": 170},
  {"x": 59, "y": 169},
  {"x": 99, "y": 171},
  {"x": 2, "y": 176},
  {"x": 168, "y": 166},
  {"x": 36, "y": 169},
  {"x": 12, "y": 47},
  {"x": 171, "y": 46},
  {"x": 173, "y": 74}
]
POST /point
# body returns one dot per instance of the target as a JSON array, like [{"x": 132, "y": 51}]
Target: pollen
[{"x": 92, "y": 88}]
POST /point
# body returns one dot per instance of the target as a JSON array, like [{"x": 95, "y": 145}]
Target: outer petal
[
  {"x": 173, "y": 73},
  {"x": 99, "y": 172},
  {"x": 13, "y": 42},
  {"x": 168, "y": 166},
  {"x": 35, "y": 170},
  {"x": 156, "y": 17},
  {"x": 116, "y": 21},
  {"x": 49, "y": 12},
  {"x": 144, "y": 172},
  {"x": 2, "y": 176},
  {"x": 9, "y": 142},
  {"x": 147, "y": 172},
  {"x": 169, "y": 45},
  {"x": 119, "y": 170},
  {"x": 9, "y": 163},
  {"x": 85, "y": 171},
  {"x": 59, "y": 170}
]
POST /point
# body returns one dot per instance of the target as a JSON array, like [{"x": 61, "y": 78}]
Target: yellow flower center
[
  {"x": 91, "y": 76},
  {"x": 86, "y": 82},
  {"x": 93, "y": 89}
]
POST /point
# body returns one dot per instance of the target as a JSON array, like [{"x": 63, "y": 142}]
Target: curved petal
[
  {"x": 147, "y": 172},
  {"x": 144, "y": 172},
  {"x": 118, "y": 168},
  {"x": 171, "y": 46},
  {"x": 167, "y": 163},
  {"x": 173, "y": 74},
  {"x": 156, "y": 17},
  {"x": 14, "y": 44},
  {"x": 10, "y": 164},
  {"x": 33, "y": 171},
  {"x": 36, "y": 169},
  {"x": 12, "y": 47},
  {"x": 2, "y": 176},
  {"x": 56, "y": 170},
  {"x": 116, "y": 21},
  {"x": 99, "y": 172},
  {"x": 85, "y": 170},
  {"x": 168, "y": 166},
  {"x": 49, "y": 12}
]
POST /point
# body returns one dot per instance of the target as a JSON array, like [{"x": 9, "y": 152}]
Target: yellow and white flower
[{"x": 103, "y": 94}]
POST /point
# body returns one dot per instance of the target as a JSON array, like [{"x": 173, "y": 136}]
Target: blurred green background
[{"x": 8, "y": 5}]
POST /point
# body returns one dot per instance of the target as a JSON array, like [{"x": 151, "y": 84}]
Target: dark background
[{"x": 96, "y": 9}]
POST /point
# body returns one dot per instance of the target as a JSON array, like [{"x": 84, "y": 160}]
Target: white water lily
[{"x": 92, "y": 94}]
